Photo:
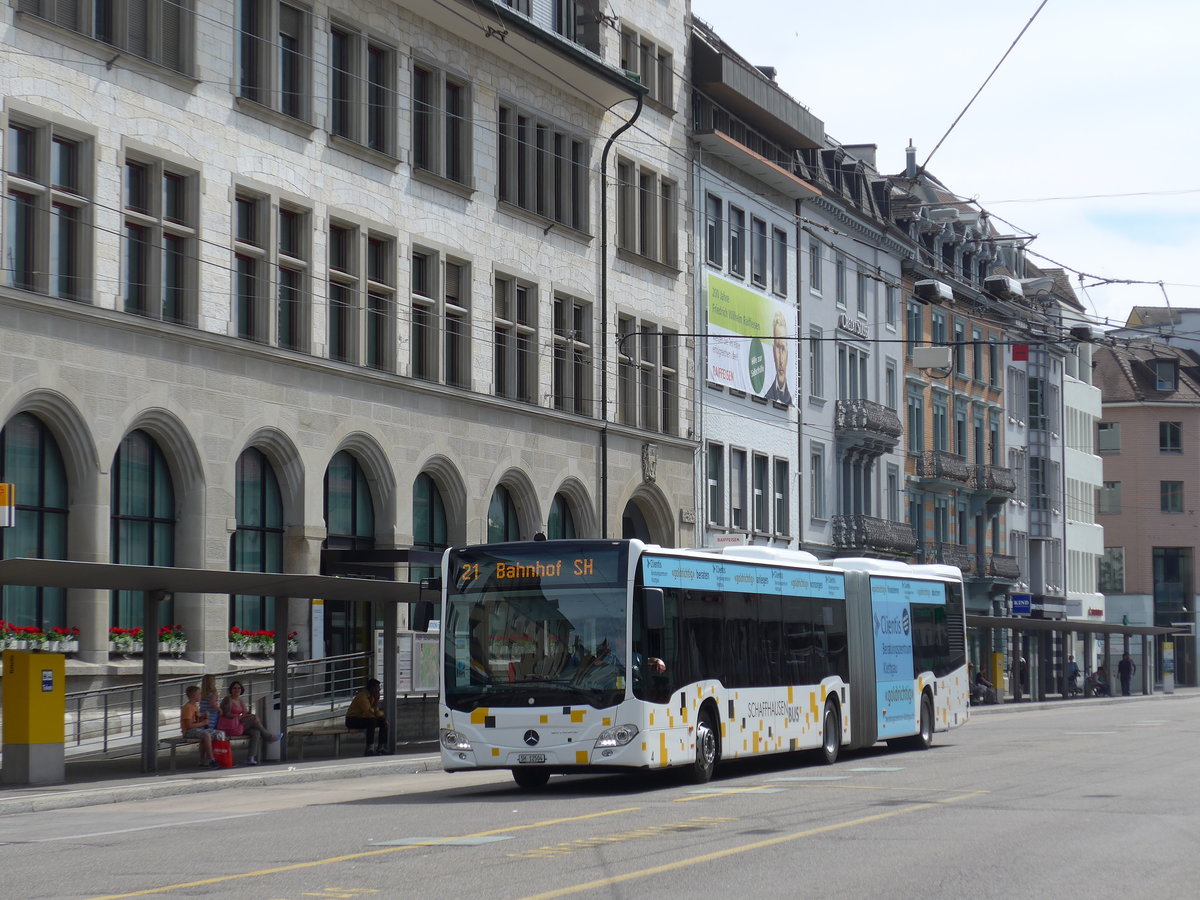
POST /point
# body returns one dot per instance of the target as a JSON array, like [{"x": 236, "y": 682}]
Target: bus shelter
[
  {"x": 1046, "y": 667},
  {"x": 160, "y": 582}
]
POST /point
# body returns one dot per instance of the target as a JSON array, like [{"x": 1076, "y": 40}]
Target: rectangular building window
[
  {"x": 758, "y": 252},
  {"x": 48, "y": 210},
  {"x": 816, "y": 362},
  {"x": 761, "y": 485},
  {"x": 573, "y": 370},
  {"x": 543, "y": 169},
  {"x": 160, "y": 242},
  {"x": 343, "y": 310},
  {"x": 440, "y": 327},
  {"x": 715, "y": 464},
  {"x": 814, "y": 266},
  {"x": 892, "y": 303},
  {"x": 1112, "y": 571},
  {"x": 379, "y": 341},
  {"x": 977, "y": 354},
  {"x": 275, "y": 57},
  {"x": 816, "y": 478},
  {"x": 714, "y": 230},
  {"x": 863, "y": 292},
  {"x": 651, "y": 63},
  {"x": 779, "y": 262},
  {"x": 1171, "y": 496},
  {"x": 362, "y": 102},
  {"x": 156, "y": 30},
  {"x": 738, "y": 510},
  {"x": 514, "y": 327},
  {"x": 1170, "y": 437},
  {"x": 440, "y": 132},
  {"x": 737, "y": 242},
  {"x": 250, "y": 252},
  {"x": 782, "y": 483},
  {"x": 960, "y": 348},
  {"x": 912, "y": 328},
  {"x": 839, "y": 280},
  {"x": 647, "y": 375},
  {"x": 1108, "y": 437},
  {"x": 994, "y": 365},
  {"x": 293, "y": 278}
]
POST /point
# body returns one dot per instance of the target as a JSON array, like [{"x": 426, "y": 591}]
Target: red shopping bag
[{"x": 223, "y": 753}]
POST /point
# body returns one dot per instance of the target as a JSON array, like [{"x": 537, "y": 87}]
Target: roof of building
[{"x": 1126, "y": 374}]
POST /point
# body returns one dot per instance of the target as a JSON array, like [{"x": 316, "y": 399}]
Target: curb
[{"x": 41, "y": 800}]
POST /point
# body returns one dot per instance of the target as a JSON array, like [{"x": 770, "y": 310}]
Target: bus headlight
[
  {"x": 617, "y": 736},
  {"x": 452, "y": 740}
]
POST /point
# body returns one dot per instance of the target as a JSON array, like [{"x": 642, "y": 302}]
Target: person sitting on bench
[
  {"x": 194, "y": 724},
  {"x": 366, "y": 713}
]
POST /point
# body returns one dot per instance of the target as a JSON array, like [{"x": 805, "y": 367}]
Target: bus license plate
[{"x": 531, "y": 758}]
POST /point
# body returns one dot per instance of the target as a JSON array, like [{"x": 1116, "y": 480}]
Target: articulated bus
[{"x": 571, "y": 656}]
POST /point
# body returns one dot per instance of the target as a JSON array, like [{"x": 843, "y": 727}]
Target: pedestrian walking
[{"x": 1125, "y": 669}]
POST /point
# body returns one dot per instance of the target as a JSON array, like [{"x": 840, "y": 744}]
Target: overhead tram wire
[{"x": 995, "y": 68}]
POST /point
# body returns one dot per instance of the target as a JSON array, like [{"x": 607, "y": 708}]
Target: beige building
[{"x": 286, "y": 285}]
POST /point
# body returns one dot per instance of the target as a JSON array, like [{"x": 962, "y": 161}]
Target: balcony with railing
[
  {"x": 950, "y": 555},
  {"x": 993, "y": 480},
  {"x": 1005, "y": 568},
  {"x": 943, "y": 466},
  {"x": 866, "y": 534},
  {"x": 866, "y": 424}
]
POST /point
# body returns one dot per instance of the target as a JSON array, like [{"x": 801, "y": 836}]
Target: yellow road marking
[
  {"x": 365, "y": 854},
  {"x": 723, "y": 793},
  {"x": 731, "y": 851}
]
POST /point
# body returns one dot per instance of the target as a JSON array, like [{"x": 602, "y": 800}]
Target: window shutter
[
  {"x": 171, "y": 51},
  {"x": 453, "y": 284},
  {"x": 137, "y": 13},
  {"x": 66, "y": 12}
]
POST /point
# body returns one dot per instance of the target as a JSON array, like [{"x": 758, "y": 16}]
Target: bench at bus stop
[
  {"x": 174, "y": 743},
  {"x": 302, "y": 735}
]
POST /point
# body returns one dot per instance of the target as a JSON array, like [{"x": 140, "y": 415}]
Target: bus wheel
[
  {"x": 831, "y": 735},
  {"x": 708, "y": 748},
  {"x": 923, "y": 739},
  {"x": 531, "y": 779}
]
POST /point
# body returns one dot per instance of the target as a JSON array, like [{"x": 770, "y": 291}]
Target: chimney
[{"x": 910, "y": 160}]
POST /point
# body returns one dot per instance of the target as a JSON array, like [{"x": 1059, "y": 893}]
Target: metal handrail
[{"x": 317, "y": 688}]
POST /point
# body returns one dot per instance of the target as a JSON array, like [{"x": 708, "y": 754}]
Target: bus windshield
[{"x": 535, "y": 624}]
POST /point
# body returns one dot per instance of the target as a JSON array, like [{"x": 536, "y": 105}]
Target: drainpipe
[
  {"x": 800, "y": 461},
  {"x": 604, "y": 315}
]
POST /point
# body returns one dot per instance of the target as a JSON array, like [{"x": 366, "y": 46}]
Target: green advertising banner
[{"x": 751, "y": 343}]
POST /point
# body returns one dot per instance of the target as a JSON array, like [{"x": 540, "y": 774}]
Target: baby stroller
[{"x": 1073, "y": 688}]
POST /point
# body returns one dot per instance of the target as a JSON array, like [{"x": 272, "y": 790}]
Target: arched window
[
  {"x": 143, "y": 521},
  {"x": 429, "y": 522},
  {"x": 257, "y": 545},
  {"x": 30, "y": 460},
  {"x": 502, "y": 523},
  {"x": 350, "y": 525},
  {"x": 561, "y": 523}
]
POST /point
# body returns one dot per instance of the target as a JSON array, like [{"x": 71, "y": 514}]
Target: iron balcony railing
[
  {"x": 878, "y": 535},
  {"x": 1000, "y": 566},
  {"x": 873, "y": 421},
  {"x": 950, "y": 555},
  {"x": 942, "y": 465},
  {"x": 993, "y": 479}
]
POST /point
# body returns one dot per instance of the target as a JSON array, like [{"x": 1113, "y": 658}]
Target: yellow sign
[{"x": 8, "y": 502}]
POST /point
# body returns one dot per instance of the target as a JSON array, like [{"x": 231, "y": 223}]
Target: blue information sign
[
  {"x": 740, "y": 578},
  {"x": 1021, "y": 604}
]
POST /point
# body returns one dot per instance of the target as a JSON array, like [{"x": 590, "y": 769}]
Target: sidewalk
[{"x": 94, "y": 782}]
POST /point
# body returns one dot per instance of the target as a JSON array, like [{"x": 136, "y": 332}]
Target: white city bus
[{"x": 590, "y": 655}]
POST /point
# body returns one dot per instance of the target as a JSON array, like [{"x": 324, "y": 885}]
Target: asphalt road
[{"x": 1092, "y": 799}]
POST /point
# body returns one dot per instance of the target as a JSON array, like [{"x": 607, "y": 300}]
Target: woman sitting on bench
[
  {"x": 366, "y": 713},
  {"x": 236, "y": 719}
]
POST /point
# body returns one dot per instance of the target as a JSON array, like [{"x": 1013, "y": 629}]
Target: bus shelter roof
[
  {"x": 161, "y": 581},
  {"x": 1020, "y": 623}
]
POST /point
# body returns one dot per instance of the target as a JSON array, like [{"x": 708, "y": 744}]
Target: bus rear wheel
[
  {"x": 831, "y": 735},
  {"x": 923, "y": 739},
  {"x": 531, "y": 779},
  {"x": 708, "y": 749}
]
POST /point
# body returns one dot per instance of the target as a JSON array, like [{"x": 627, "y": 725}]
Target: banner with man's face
[{"x": 751, "y": 344}]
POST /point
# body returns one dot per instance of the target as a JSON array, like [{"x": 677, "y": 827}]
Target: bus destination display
[{"x": 472, "y": 572}]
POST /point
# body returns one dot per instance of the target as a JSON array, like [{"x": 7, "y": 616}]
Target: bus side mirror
[
  {"x": 421, "y": 615},
  {"x": 654, "y": 607}
]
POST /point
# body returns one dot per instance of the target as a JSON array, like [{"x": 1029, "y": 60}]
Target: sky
[{"x": 1099, "y": 98}]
